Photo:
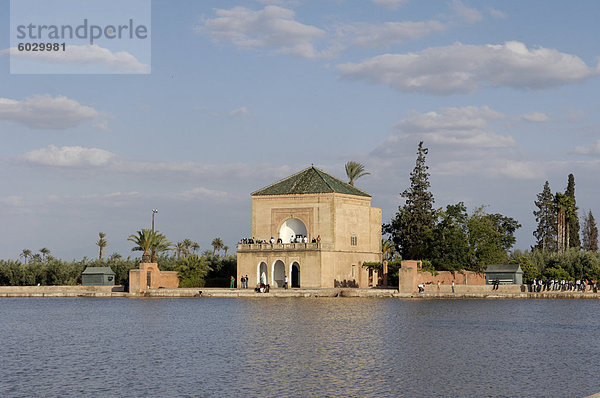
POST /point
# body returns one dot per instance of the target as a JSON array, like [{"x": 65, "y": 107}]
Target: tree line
[
  {"x": 451, "y": 238},
  {"x": 447, "y": 238},
  {"x": 211, "y": 268}
]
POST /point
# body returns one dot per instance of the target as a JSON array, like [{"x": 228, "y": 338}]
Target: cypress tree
[
  {"x": 411, "y": 229},
  {"x": 590, "y": 233},
  {"x": 574, "y": 220},
  {"x": 545, "y": 216}
]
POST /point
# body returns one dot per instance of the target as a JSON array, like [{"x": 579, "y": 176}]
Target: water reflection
[{"x": 298, "y": 347}]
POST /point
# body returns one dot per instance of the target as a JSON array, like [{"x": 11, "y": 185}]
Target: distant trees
[
  {"x": 545, "y": 216},
  {"x": 354, "y": 171},
  {"x": 449, "y": 238},
  {"x": 26, "y": 253},
  {"x": 45, "y": 253},
  {"x": 217, "y": 244},
  {"x": 573, "y": 221},
  {"x": 192, "y": 271},
  {"x": 102, "y": 243},
  {"x": 411, "y": 229},
  {"x": 590, "y": 233}
]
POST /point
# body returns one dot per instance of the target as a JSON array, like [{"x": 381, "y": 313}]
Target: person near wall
[
  {"x": 232, "y": 282},
  {"x": 452, "y": 286},
  {"x": 285, "y": 282}
]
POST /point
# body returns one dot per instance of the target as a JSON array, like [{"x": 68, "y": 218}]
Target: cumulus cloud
[
  {"x": 76, "y": 157},
  {"x": 535, "y": 117},
  {"x": 464, "y": 13},
  {"x": 509, "y": 167},
  {"x": 273, "y": 27},
  {"x": 240, "y": 112},
  {"x": 593, "y": 149},
  {"x": 91, "y": 54},
  {"x": 457, "y": 127},
  {"x": 462, "y": 68},
  {"x": 46, "y": 112},
  {"x": 392, "y": 4},
  {"x": 498, "y": 14},
  {"x": 200, "y": 193},
  {"x": 69, "y": 156},
  {"x": 388, "y": 33}
]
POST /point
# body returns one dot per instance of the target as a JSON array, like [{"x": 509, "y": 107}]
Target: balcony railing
[{"x": 279, "y": 246}]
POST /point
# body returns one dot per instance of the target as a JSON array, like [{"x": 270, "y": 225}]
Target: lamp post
[{"x": 154, "y": 211}]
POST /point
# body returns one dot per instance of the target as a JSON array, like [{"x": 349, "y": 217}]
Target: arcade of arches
[{"x": 276, "y": 273}]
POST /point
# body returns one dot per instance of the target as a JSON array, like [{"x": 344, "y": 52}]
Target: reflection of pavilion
[{"x": 314, "y": 204}]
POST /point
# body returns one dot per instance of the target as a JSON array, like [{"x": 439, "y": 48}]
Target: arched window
[{"x": 292, "y": 227}]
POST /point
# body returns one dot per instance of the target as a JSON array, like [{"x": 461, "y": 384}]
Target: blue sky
[{"x": 241, "y": 94}]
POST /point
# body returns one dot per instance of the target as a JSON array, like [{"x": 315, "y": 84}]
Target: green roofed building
[
  {"x": 323, "y": 229},
  {"x": 505, "y": 273},
  {"x": 98, "y": 276}
]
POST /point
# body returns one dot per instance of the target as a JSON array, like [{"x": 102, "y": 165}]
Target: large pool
[{"x": 302, "y": 347}]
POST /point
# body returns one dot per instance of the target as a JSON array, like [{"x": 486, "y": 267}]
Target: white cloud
[
  {"x": 593, "y": 149},
  {"x": 240, "y": 112},
  {"x": 119, "y": 62},
  {"x": 388, "y": 33},
  {"x": 498, "y": 14},
  {"x": 462, "y": 68},
  {"x": 46, "y": 112},
  {"x": 200, "y": 193},
  {"x": 273, "y": 27},
  {"x": 456, "y": 127},
  {"x": 465, "y": 13},
  {"x": 535, "y": 117},
  {"x": 69, "y": 156},
  {"x": 76, "y": 157},
  {"x": 393, "y": 4}
]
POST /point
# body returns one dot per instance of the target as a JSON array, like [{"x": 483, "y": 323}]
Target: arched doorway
[
  {"x": 292, "y": 227},
  {"x": 261, "y": 273},
  {"x": 278, "y": 273},
  {"x": 295, "y": 274}
]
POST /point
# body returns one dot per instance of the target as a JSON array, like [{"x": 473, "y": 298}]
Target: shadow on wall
[{"x": 345, "y": 283}]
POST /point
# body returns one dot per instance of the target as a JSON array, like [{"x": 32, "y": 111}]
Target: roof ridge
[
  {"x": 283, "y": 179},
  {"x": 310, "y": 180},
  {"x": 319, "y": 171},
  {"x": 344, "y": 182}
]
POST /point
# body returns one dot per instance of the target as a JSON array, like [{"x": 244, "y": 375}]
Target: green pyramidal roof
[{"x": 311, "y": 180}]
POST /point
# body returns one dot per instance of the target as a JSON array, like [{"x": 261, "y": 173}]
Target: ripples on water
[{"x": 298, "y": 347}]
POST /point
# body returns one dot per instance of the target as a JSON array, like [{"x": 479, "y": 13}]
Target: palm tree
[
  {"x": 25, "y": 254},
  {"x": 102, "y": 243},
  {"x": 225, "y": 248},
  {"x": 387, "y": 249},
  {"x": 187, "y": 244},
  {"x": 195, "y": 247},
  {"x": 45, "y": 251},
  {"x": 143, "y": 240},
  {"x": 179, "y": 248},
  {"x": 160, "y": 244},
  {"x": 217, "y": 244},
  {"x": 354, "y": 171}
]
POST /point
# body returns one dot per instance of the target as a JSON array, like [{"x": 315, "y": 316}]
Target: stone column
[{"x": 385, "y": 274}]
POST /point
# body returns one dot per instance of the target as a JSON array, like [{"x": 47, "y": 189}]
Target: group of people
[
  {"x": 244, "y": 282},
  {"x": 293, "y": 239},
  {"x": 563, "y": 285}
]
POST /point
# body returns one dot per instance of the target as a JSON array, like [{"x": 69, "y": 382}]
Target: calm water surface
[{"x": 298, "y": 347}]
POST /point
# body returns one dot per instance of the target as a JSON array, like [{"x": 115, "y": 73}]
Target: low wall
[
  {"x": 138, "y": 278},
  {"x": 410, "y": 275},
  {"x": 62, "y": 291}
]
